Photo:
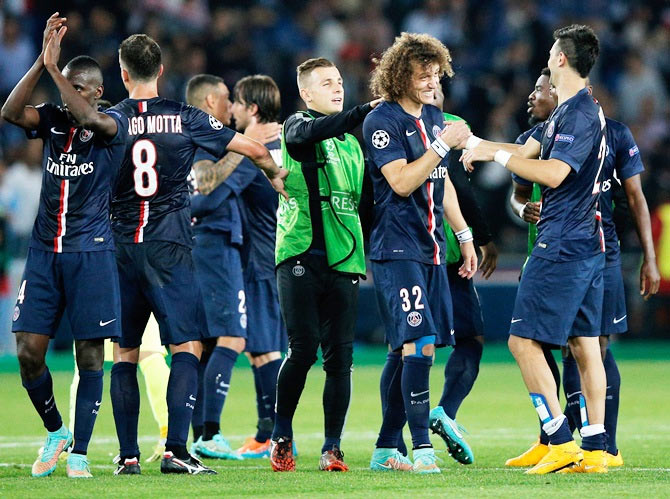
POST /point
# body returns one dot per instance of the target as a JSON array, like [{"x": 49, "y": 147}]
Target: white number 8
[{"x": 145, "y": 175}]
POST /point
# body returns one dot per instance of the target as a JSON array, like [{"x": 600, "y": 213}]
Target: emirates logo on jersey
[{"x": 85, "y": 135}]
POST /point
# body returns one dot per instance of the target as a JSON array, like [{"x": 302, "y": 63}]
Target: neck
[
  {"x": 411, "y": 106},
  {"x": 568, "y": 85},
  {"x": 312, "y": 108},
  {"x": 143, "y": 90}
]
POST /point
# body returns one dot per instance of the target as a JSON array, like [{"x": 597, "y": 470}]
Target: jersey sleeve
[
  {"x": 242, "y": 176},
  {"x": 628, "y": 161},
  {"x": 382, "y": 140},
  {"x": 573, "y": 141},
  {"x": 521, "y": 139},
  {"x": 121, "y": 124},
  {"x": 537, "y": 132},
  {"x": 45, "y": 110},
  {"x": 206, "y": 131}
]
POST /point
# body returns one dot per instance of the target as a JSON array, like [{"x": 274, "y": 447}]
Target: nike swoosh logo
[
  {"x": 616, "y": 321},
  {"x": 354, "y": 281},
  {"x": 97, "y": 403},
  {"x": 515, "y": 320},
  {"x": 191, "y": 397},
  {"x": 53, "y": 130},
  {"x": 409, "y": 134},
  {"x": 49, "y": 401},
  {"x": 568, "y": 395},
  {"x": 103, "y": 324},
  {"x": 417, "y": 394},
  {"x": 385, "y": 466}
]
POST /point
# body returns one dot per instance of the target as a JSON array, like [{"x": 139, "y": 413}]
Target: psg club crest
[
  {"x": 243, "y": 321},
  {"x": 17, "y": 313},
  {"x": 436, "y": 131},
  {"x": 414, "y": 319},
  {"x": 550, "y": 128},
  {"x": 215, "y": 124},
  {"x": 380, "y": 139},
  {"x": 85, "y": 135},
  {"x": 298, "y": 270}
]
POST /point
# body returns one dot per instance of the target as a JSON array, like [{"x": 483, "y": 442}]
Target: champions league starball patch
[
  {"x": 215, "y": 124},
  {"x": 414, "y": 319},
  {"x": 380, "y": 139}
]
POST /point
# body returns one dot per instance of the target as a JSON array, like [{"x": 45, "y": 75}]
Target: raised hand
[
  {"x": 52, "y": 50},
  {"x": 455, "y": 134},
  {"x": 53, "y": 23},
  {"x": 263, "y": 132}
]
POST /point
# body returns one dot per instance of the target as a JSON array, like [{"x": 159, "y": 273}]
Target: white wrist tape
[
  {"x": 502, "y": 157},
  {"x": 440, "y": 147},
  {"x": 464, "y": 236},
  {"x": 472, "y": 142}
]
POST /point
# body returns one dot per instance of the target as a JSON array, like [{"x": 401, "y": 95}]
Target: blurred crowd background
[{"x": 498, "y": 49}]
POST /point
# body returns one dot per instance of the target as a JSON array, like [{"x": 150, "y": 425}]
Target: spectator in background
[
  {"x": 435, "y": 19},
  {"x": 640, "y": 82},
  {"x": 16, "y": 55}
]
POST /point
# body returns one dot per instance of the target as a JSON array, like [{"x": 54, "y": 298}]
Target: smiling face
[
  {"x": 540, "y": 101},
  {"x": 322, "y": 90},
  {"x": 425, "y": 80}
]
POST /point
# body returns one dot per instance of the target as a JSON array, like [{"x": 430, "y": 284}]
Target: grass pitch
[{"x": 497, "y": 414}]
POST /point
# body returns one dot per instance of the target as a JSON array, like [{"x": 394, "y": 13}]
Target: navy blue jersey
[
  {"x": 151, "y": 202},
  {"x": 405, "y": 228},
  {"x": 568, "y": 228},
  {"x": 622, "y": 162},
  {"x": 79, "y": 170},
  {"x": 534, "y": 132},
  {"x": 218, "y": 211},
  {"x": 259, "y": 214}
]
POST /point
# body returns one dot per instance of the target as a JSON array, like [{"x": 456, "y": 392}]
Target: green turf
[{"x": 497, "y": 414}]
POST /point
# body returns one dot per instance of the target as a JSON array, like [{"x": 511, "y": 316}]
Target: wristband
[
  {"x": 472, "y": 142},
  {"x": 502, "y": 157},
  {"x": 440, "y": 147},
  {"x": 521, "y": 210},
  {"x": 464, "y": 236}
]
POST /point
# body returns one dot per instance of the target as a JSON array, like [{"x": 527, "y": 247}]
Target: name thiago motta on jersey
[{"x": 161, "y": 123}]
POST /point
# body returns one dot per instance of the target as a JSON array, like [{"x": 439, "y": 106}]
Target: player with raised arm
[
  {"x": 560, "y": 294},
  {"x": 525, "y": 202},
  {"x": 70, "y": 266},
  {"x": 319, "y": 255},
  {"x": 151, "y": 224},
  {"x": 407, "y": 145}
]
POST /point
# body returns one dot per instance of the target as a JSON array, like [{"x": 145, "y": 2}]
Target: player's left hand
[
  {"x": 278, "y": 182},
  {"x": 650, "y": 279},
  {"x": 469, "y": 267},
  {"x": 263, "y": 132},
  {"x": 489, "y": 259},
  {"x": 374, "y": 103},
  {"x": 52, "y": 50}
]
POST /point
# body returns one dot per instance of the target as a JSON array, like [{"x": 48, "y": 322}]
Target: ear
[
  {"x": 210, "y": 100},
  {"x": 124, "y": 75},
  {"x": 99, "y": 91},
  {"x": 562, "y": 59},
  {"x": 160, "y": 72},
  {"x": 305, "y": 95},
  {"x": 253, "y": 109}
]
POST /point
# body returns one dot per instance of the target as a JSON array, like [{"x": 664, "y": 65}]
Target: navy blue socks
[
  {"x": 89, "y": 399},
  {"x": 266, "y": 397},
  {"x": 573, "y": 389},
  {"x": 415, "y": 391},
  {"x": 216, "y": 384},
  {"x": 611, "y": 401},
  {"x": 393, "y": 407},
  {"x": 41, "y": 393},
  {"x": 181, "y": 396},
  {"x": 460, "y": 374},
  {"x": 126, "y": 407}
]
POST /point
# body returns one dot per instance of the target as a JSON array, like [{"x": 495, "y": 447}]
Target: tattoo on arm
[{"x": 210, "y": 175}]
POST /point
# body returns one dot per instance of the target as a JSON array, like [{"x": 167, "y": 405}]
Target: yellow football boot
[
  {"x": 531, "y": 457},
  {"x": 614, "y": 461},
  {"x": 595, "y": 461},
  {"x": 558, "y": 457}
]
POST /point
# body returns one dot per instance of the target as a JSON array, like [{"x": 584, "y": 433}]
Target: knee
[
  {"x": 302, "y": 352},
  {"x": 517, "y": 346},
  {"x": 422, "y": 348},
  {"x": 233, "y": 342},
  {"x": 339, "y": 360},
  {"x": 31, "y": 360},
  {"x": 90, "y": 354}
]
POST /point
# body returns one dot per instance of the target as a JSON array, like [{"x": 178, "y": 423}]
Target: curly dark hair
[{"x": 392, "y": 75}]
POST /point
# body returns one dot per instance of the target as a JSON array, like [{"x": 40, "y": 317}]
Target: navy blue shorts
[
  {"x": 557, "y": 300},
  {"x": 85, "y": 285},
  {"x": 414, "y": 301},
  {"x": 219, "y": 269},
  {"x": 159, "y": 277},
  {"x": 614, "y": 302},
  {"x": 265, "y": 327},
  {"x": 468, "y": 319}
]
